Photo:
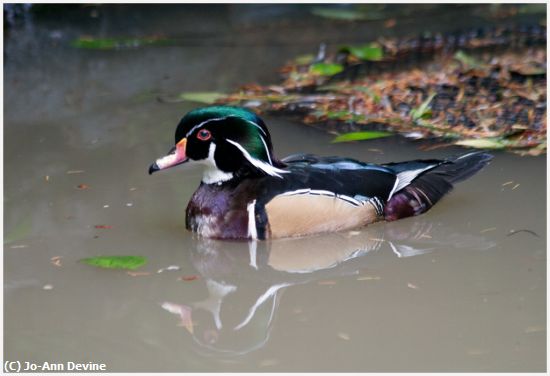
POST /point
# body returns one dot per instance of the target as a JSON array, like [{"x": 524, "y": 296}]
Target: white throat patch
[{"x": 212, "y": 174}]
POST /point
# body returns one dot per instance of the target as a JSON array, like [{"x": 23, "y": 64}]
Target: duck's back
[
  {"x": 324, "y": 194},
  {"x": 317, "y": 194}
]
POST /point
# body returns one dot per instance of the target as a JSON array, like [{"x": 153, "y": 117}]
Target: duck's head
[{"x": 230, "y": 141}]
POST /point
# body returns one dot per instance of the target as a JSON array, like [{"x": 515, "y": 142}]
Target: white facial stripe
[
  {"x": 223, "y": 118},
  {"x": 257, "y": 126},
  {"x": 211, "y": 151},
  {"x": 263, "y": 140},
  {"x": 266, "y": 150},
  {"x": 203, "y": 123},
  {"x": 212, "y": 174},
  {"x": 265, "y": 167},
  {"x": 220, "y": 119}
]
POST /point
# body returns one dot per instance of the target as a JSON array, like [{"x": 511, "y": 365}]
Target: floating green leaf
[
  {"x": 95, "y": 43},
  {"x": 337, "y": 114},
  {"x": 145, "y": 96},
  {"x": 354, "y": 13},
  {"x": 116, "y": 262},
  {"x": 304, "y": 59},
  {"x": 342, "y": 115},
  {"x": 360, "y": 136},
  {"x": 376, "y": 98},
  {"x": 532, "y": 8},
  {"x": 339, "y": 13},
  {"x": 19, "y": 231},
  {"x": 326, "y": 69},
  {"x": 422, "y": 111},
  {"x": 117, "y": 43},
  {"x": 482, "y": 143},
  {"x": 337, "y": 88},
  {"x": 367, "y": 52},
  {"x": 467, "y": 60},
  {"x": 201, "y": 97}
]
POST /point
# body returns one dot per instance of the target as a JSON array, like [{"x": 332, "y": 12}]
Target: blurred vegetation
[{"x": 482, "y": 88}]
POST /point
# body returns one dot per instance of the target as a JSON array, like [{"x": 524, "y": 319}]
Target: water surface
[{"x": 456, "y": 289}]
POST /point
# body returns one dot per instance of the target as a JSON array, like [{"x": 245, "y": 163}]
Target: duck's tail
[{"x": 431, "y": 183}]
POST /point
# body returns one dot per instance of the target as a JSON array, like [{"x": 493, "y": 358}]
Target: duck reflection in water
[{"x": 245, "y": 280}]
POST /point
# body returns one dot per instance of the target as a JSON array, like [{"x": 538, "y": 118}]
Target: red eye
[{"x": 204, "y": 135}]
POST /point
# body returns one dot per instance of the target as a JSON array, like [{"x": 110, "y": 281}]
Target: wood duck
[{"x": 247, "y": 193}]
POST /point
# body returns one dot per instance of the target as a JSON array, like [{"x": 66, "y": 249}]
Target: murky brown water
[{"x": 450, "y": 290}]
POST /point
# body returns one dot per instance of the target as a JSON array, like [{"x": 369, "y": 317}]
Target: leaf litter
[{"x": 484, "y": 89}]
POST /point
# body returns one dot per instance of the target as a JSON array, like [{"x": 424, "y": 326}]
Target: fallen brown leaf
[
  {"x": 188, "y": 278},
  {"x": 344, "y": 336},
  {"x": 104, "y": 227},
  {"x": 268, "y": 362},
  {"x": 534, "y": 329},
  {"x": 56, "y": 260},
  {"x": 326, "y": 283},
  {"x": 369, "y": 278},
  {"x": 388, "y": 24},
  {"x": 137, "y": 274}
]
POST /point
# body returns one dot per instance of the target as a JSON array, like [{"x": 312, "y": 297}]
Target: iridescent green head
[{"x": 227, "y": 139}]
